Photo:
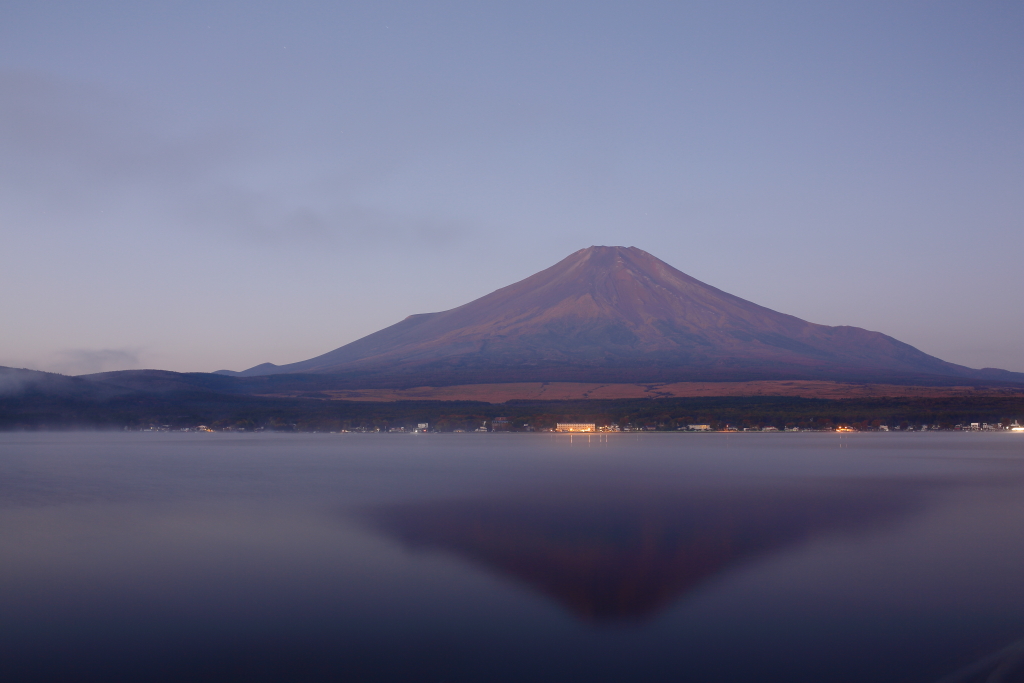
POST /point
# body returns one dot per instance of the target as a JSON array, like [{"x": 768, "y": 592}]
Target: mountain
[{"x": 617, "y": 314}]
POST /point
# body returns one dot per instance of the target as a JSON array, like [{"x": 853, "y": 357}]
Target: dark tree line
[{"x": 177, "y": 410}]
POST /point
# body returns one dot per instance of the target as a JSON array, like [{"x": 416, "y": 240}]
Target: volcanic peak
[{"x": 615, "y": 314}]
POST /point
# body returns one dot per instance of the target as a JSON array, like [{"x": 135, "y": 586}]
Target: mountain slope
[{"x": 616, "y": 314}]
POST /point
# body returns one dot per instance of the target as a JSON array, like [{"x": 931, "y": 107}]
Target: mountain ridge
[{"x": 619, "y": 314}]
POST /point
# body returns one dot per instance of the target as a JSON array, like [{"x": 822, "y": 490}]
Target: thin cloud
[
  {"x": 88, "y": 361},
  {"x": 254, "y": 218},
  {"x": 71, "y": 152}
]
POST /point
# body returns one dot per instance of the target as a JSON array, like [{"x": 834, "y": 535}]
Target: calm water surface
[{"x": 501, "y": 557}]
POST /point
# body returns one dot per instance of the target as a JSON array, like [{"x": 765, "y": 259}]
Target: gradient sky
[{"x": 206, "y": 185}]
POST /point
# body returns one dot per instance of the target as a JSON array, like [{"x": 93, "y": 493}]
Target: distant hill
[
  {"x": 133, "y": 399},
  {"x": 21, "y": 383},
  {"x": 617, "y": 314}
]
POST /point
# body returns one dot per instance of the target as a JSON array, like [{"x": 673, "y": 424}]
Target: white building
[{"x": 575, "y": 427}]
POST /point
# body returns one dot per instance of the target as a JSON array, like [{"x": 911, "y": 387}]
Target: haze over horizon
[{"x": 216, "y": 185}]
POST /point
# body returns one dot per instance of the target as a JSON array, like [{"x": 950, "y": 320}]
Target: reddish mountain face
[{"x": 617, "y": 314}]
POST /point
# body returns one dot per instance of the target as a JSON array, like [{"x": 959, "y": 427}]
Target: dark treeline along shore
[{"x": 180, "y": 410}]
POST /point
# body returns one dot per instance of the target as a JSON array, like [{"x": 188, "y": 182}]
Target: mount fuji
[{"x": 619, "y": 314}]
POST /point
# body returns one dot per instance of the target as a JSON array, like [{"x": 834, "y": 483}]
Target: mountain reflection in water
[{"x": 611, "y": 554}]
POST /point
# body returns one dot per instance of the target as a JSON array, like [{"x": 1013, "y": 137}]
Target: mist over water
[{"x": 803, "y": 557}]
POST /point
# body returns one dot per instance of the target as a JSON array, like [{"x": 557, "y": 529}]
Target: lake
[{"x": 512, "y": 557}]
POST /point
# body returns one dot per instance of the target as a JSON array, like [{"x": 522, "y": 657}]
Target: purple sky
[{"x": 206, "y": 185}]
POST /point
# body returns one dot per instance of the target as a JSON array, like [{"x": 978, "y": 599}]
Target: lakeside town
[{"x": 503, "y": 424}]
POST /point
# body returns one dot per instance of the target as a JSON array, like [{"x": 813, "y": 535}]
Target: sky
[{"x": 203, "y": 185}]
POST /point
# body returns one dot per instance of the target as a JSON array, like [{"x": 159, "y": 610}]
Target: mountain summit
[{"x": 618, "y": 314}]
